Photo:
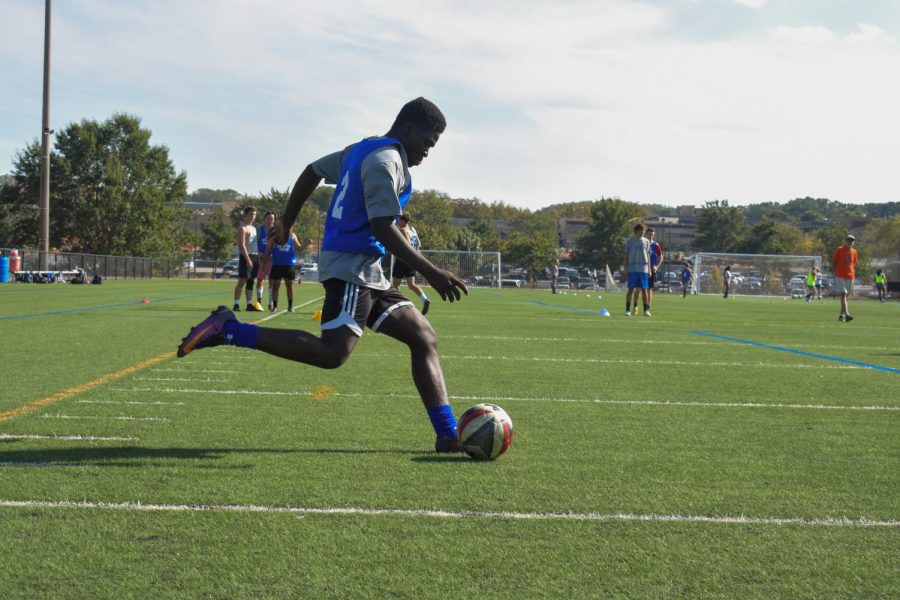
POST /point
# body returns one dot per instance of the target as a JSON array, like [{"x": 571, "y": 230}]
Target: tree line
[{"x": 114, "y": 192}]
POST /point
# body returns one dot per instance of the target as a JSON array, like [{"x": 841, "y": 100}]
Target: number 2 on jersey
[{"x": 337, "y": 211}]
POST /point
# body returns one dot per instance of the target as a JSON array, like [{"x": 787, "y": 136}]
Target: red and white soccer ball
[{"x": 485, "y": 431}]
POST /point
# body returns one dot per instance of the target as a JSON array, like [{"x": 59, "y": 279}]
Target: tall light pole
[{"x": 46, "y": 132}]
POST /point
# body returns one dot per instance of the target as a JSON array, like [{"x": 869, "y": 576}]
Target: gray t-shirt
[
  {"x": 637, "y": 250},
  {"x": 384, "y": 175}
]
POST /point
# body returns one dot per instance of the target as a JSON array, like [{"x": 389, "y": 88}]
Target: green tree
[
  {"x": 112, "y": 191},
  {"x": 720, "y": 228},
  {"x": 604, "y": 242},
  {"x": 771, "y": 237},
  {"x": 218, "y": 236},
  {"x": 429, "y": 211},
  {"x": 531, "y": 251},
  {"x": 882, "y": 237}
]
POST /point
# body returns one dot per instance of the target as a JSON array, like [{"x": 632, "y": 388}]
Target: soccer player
[
  {"x": 726, "y": 278},
  {"x": 811, "y": 283},
  {"x": 248, "y": 264},
  {"x": 843, "y": 262},
  {"x": 265, "y": 258},
  {"x": 637, "y": 261},
  {"x": 373, "y": 186},
  {"x": 284, "y": 257},
  {"x": 404, "y": 271},
  {"x": 655, "y": 261},
  {"x": 687, "y": 279},
  {"x": 881, "y": 285}
]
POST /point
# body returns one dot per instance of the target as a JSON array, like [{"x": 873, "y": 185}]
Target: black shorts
[
  {"x": 243, "y": 271},
  {"x": 357, "y": 307},
  {"x": 402, "y": 270},
  {"x": 282, "y": 272}
]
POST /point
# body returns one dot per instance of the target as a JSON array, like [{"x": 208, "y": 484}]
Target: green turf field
[{"x": 651, "y": 459}]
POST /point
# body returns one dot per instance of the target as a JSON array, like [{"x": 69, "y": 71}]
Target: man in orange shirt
[{"x": 843, "y": 261}]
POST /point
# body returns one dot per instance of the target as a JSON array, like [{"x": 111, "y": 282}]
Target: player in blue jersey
[
  {"x": 283, "y": 258},
  {"x": 265, "y": 260},
  {"x": 373, "y": 186}
]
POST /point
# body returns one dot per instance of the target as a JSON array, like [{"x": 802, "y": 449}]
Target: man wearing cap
[{"x": 844, "y": 262}]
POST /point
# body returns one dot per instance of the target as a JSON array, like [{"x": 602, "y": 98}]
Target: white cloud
[
  {"x": 813, "y": 34},
  {"x": 751, "y": 3},
  {"x": 546, "y": 101}
]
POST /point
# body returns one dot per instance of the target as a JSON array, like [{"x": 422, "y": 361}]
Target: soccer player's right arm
[
  {"x": 242, "y": 245},
  {"x": 303, "y": 188}
]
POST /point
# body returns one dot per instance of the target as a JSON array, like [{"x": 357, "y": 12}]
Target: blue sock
[
  {"x": 443, "y": 421},
  {"x": 240, "y": 334}
]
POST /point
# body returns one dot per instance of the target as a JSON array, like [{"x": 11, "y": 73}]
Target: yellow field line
[
  {"x": 83, "y": 387},
  {"x": 31, "y": 406}
]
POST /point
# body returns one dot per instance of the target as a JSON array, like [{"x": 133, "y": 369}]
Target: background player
[
  {"x": 265, "y": 259},
  {"x": 284, "y": 257},
  {"x": 248, "y": 263},
  {"x": 637, "y": 261},
  {"x": 404, "y": 271}
]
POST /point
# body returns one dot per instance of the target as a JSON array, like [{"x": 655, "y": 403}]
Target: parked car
[
  {"x": 587, "y": 283},
  {"x": 230, "y": 268},
  {"x": 752, "y": 282}
]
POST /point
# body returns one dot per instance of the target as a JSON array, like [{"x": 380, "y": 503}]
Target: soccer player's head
[
  {"x": 249, "y": 214},
  {"x": 639, "y": 229},
  {"x": 651, "y": 232},
  {"x": 418, "y": 126},
  {"x": 270, "y": 219}
]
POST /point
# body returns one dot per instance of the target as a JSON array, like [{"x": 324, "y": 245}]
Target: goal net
[
  {"x": 753, "y": 274},
  {"x": 475, "y": 268}
]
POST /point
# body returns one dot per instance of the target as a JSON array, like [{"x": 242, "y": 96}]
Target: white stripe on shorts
[{"x": 388, "y": 312}]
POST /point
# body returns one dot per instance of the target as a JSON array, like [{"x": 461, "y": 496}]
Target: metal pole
[{"x": 46, "y": 132}]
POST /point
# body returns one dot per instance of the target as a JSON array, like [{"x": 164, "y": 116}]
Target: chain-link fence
[{"x": 116, "y": 267}]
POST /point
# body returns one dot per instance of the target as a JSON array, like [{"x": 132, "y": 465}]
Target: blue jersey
[
  {"x": 347, "y": 226},
  {"x": 685, "y": 275},
  {"x": 262, "y": 233},
  {"x": 284, "y": 255}
]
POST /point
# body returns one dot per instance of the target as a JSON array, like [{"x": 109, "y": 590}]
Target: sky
[{"x": 654, "y": 101}]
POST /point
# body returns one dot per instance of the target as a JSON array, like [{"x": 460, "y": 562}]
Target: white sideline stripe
[
  {"x": 207, "y": 379},
  {"x": 518, "y": 398},
  {"x": 121, "y": 418},
  {"x": 255, "y": 508},
  {"x": 189, "y": 371},
  {"x": 76, "y": 438},
  {"x": 129, "y": 402},
  {"x": 646, "y": 362},
  {"x": 51, "y": 463},
  {"x": 503, "y": 338}
]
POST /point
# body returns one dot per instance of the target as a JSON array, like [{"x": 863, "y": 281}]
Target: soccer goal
[
  {"x": 752, "y": 274},
  {"x": 475, "y": 268}
]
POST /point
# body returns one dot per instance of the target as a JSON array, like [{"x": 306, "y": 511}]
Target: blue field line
[
  {"x": 103, "y": 307},
  {"x": 569, "y": 308},
  {"x": 800, "y": 352}
]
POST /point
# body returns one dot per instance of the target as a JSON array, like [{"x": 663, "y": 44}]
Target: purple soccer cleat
[{"x": 208, "y": 333}]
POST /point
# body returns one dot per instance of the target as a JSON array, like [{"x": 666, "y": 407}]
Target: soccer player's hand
[{"x": 448, "y": 285}]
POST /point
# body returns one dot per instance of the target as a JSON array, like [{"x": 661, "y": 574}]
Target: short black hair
[
  {"x": 423, "y": 113},
  {"x": 249, "y": 209}
]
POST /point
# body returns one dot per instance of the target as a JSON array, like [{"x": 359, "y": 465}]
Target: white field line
[
  {"x": 89, "y": 417},
  {"x": 190, "y": 371},
  {"x": 440, "y": 514},
  {"x": 504, "y": 338},
  {"x": 618, "y": 361},
  {"x": 206, "y": 379},
  {"x": 51, "y": 463},
  {"x": 66, "y": 438},
  {"x": 129, "y": 402},
  {"x": 519, "y": 399}
]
